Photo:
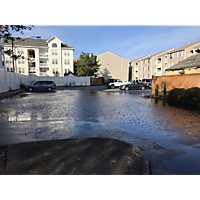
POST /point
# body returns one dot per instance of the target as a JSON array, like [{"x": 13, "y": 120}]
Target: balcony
[
  {"x": 159, "y": 66},
  {"x": 158, "y": 73},
  {"x": 44, "y": 65},
  {"x": 32, "y": 69},
  {"x": 44, "y": 55},
  {"x": 43, "y": 73}
]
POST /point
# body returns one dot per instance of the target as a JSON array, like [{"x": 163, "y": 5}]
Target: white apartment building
[
  {"x": 41, "y": 57},
  {"x": 2, "y": 57}
]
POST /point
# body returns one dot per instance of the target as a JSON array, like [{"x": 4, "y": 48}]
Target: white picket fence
[{"x": 9, "y": 80}]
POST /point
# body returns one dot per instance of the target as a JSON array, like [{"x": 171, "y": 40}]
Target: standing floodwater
[{"x": 121, "y": 115}]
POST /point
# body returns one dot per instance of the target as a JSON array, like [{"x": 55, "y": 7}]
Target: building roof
[
  {"x": 31, "y": 42},
  {"x": 161, "y": 53},
  {"x": 190, "y": 62},
  {"x": 138, "y": 59},
  {"x": 184, "y": 47},
  {"x": 112, "y": 53}
]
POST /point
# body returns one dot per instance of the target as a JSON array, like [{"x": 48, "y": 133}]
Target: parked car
[
  {"x": 146, "y": 81},
  {"x": 41, "y": 86},
  {"x": 133, "y": 86},
  {"x": 149, "y": 86},
  {"x": 114, "y": 83}
]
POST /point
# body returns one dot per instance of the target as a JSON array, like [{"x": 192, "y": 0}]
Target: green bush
[
  {"x": 22, "y": 86},
  {"x": 164, "y": 90},
  {"x": 156, "y": 90},
  {"x": 189, "y": 96}
]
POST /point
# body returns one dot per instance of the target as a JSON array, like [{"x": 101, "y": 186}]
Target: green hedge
[{"x": 189, "y": 96}]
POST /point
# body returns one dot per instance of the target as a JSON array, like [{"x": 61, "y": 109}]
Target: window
[
  {"x": 54, "y": 61},
  {"x": 67, "y": 62},
  {"x": 36, "y": 83},
  {"x": 54, "y": 52},
  {"x": 171, "y": 55},
  {"x": 148, "y": 60},
  {"x": 20, "y": 51},
  {"x": 20, "y": 61},
  {"x": 54, "y": 45},
  {"x": 143, "y": 75},
  {"x": 180, "y": 54},
  {"x": 148, "y": 75},
  {"x": 23, "y": 70},
  {"x": 8, "y": 60},
  {"x": 148, "y": 68},
  {"x": 143, "y": 69},
  {"x": 65, "y": 71},
  {"x": 143, "y": 61},
  {"x": 55, "y": 71},
  {"x": 20, "y": 70},
  {"x": 66, "y": 53}
]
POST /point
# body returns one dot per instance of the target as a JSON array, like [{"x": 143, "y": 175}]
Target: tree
[
  {"x": 87, "y": 65},
  {"x": 6, "y": 30},
  {"x": 6, "y": 34}
]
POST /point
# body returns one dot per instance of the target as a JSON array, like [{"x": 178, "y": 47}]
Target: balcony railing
[
  {"x": 32, "y": 69},
  {"x": 44, "y": 55},
  {"x": 43, "y": 73},
  {"x": 158, "y": 66},
  {"x": 158, "y": 73},
  {"x": 44, "y": 64}
]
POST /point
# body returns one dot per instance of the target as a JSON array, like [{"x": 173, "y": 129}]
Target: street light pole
[{"x": 12, "y": 54}]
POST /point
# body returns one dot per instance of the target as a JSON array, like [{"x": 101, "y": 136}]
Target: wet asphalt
[{"x": 169, "y": 137}]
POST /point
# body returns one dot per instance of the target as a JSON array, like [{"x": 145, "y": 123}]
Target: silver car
[{"x": 41, "y": 86}]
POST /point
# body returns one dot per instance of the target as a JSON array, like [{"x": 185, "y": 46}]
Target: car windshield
[{"x": 36, "y": 83}]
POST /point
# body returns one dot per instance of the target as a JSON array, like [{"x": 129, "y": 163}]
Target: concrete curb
[{"x": 9, "y": 94}]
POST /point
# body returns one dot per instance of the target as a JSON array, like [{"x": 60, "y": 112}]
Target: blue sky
[{"x": 130, "y": 42}]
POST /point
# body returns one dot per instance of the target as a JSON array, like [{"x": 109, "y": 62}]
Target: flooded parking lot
[{"x": 125, "y": 116}]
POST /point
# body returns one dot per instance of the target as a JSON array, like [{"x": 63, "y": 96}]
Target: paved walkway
[{"x": 82, "y": 156}]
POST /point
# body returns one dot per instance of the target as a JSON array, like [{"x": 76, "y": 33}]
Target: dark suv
[
  {"x": 146, "y": 81},
  {"x": 41, "y": 86}
]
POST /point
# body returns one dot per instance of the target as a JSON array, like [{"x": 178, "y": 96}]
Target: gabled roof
[
  {"x": 190, "y": 62},
  {"x": 32, "y": 42},
  {"x": 112, "y": 53},
  {"x": 54, "y": 37},
  {"x": 27, "y": 42}
]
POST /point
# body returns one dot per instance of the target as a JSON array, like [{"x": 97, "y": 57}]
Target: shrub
[
  {"x": 156, "y": 90},
  {"x": 22, "y": 85},
  {"x": 164, "y": 90},
  {"x": 189, "y": 96}
]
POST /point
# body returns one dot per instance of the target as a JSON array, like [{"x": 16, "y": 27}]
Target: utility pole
[{"x": 12, "y": 55}]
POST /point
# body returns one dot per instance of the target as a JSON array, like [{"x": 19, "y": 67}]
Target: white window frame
[
  {"x": 66, "y": 53},
  {"x": 54, "y": 52},
  {"x": 54, "y": 61},
  {"x": 66, "y": 62},
  {"x": 20, "y": 51}
]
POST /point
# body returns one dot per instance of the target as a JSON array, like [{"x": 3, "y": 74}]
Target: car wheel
[
  {"x": 49, "y": 89},
  {"x": 30, "y": 89},
  {"x": 112, "y": 87},
  {"x": 126, "y": 88},
  {"x": 142, "y": 88}
]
